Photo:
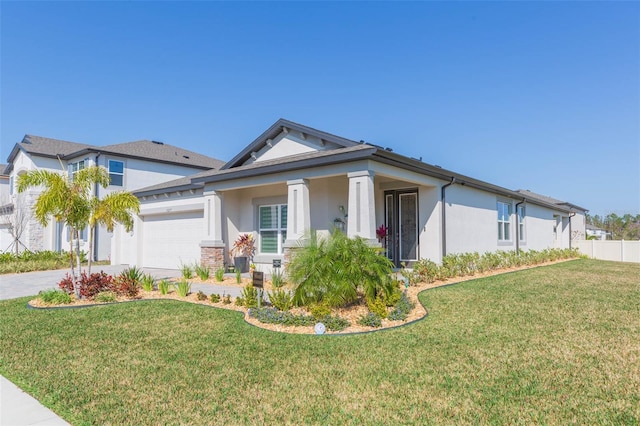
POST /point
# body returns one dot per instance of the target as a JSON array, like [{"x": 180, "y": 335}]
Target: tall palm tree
[{"x": 72, "y": 202}]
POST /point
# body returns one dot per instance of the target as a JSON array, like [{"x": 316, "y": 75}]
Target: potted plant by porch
[{"x": 243, "y": 251}]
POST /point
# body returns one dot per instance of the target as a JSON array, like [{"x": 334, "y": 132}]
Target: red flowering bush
[{"x": 90, "y": 285}]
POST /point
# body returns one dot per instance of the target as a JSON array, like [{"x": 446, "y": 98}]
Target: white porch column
[
  {"x": 298, "y": 211},
  {"x": 213, "y": 218},
  {"x": 361, "y": 221},
  {"x": 212, "y": 246}
]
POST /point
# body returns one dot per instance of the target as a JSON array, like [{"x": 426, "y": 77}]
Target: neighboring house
[
  {"x": 6, "y": 208},
  {"x": 131, "y": 166},
  {"x": 600, "y": 234},
  {"x": 293, "y": 179}
]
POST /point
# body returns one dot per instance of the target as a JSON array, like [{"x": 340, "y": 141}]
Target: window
[
  {"x": 504, "y": 221},
  {"x": 521, "y": 214},
  {"x": 116, "y": 173},
  {"x": 76, "y": 167},
  {"x": 273, "y": 228}
]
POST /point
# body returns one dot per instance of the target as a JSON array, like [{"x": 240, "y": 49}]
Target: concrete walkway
[{"x": 17, "y": 408}]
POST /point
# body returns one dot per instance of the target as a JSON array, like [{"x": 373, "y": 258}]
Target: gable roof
[
  {"x": 3, "y": 168},
  {"x": 144, "y": 149},
  {"x": 347, "y": 151},
  {"x": 277, "y": 128}
]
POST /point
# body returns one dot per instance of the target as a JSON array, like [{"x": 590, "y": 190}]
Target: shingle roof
[
  {"x": 163, "y": 152},
  {"x": 548, "y": 199},
  {"x": 144, "y": 149},
  {"x": 3, "y": 168}
]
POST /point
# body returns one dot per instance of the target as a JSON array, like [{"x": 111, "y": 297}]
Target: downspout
[
  {"x": 571, "y": 214},
  {"x": 95, "y": 230},
  {"x": 518, "y": 226},
  {"x": 444, "y": 215}
]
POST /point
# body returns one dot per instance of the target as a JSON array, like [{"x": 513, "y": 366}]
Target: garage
[{"x": 172, "y": 239}]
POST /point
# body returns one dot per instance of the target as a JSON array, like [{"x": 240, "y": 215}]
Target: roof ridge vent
[{"x": 158, "y": 142}]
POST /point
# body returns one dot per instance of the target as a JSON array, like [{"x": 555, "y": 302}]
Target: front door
[{"x": 401, "y": 220}]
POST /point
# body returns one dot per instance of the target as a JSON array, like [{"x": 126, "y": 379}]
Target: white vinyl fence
[{"x": 620, "y": 251}]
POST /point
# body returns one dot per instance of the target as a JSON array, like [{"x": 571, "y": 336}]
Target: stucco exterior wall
[{"x": 472, "y": 221}]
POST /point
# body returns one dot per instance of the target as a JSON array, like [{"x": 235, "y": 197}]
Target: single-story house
[
  {"x": 293, "y": 179},
  {"x": 131, "y": 166}
]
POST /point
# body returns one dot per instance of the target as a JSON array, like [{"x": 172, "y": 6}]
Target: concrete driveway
[{"x": 31, "y": 283}]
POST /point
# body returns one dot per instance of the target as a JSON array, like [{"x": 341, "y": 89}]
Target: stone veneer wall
[
  {"x": 213, "y": 257},
  {"x": 33, "y": 235}
]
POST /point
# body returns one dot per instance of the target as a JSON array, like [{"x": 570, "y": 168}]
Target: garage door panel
[{"x": 172, "y": 239}]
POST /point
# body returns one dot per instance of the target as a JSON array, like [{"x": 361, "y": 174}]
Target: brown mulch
[{"x": 351, "y": 314}]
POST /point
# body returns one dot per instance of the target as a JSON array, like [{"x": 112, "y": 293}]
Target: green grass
[{"x": 550, "y": 345}]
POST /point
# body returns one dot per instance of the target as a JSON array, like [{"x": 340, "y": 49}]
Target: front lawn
[{"x": 557, "y": 344}]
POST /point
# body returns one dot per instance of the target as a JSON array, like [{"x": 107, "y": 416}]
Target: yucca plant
[
  {"x": 186, "y": 270},
  {"x": 163, "y": 286},
  {"x": 334, "y": 270},
  {"x": 147, "y": 282},
  {"x": 183, "y": 288},
  {"x": 220, "y": 275},
  {"x": 277, "y": 279},
  {"x": 202, "y": 271}
]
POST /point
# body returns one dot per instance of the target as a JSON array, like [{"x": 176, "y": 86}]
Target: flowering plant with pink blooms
[{"x": 381, "y": 232}]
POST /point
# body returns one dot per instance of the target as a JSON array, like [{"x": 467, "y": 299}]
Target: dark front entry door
[{"x": 401, "y": 220}]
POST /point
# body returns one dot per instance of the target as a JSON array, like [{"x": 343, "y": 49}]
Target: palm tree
[
  {"x": 117, "y": 207},
  {"x": 71, "y": 202}
]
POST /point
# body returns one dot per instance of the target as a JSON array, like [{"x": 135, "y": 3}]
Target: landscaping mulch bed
[{"x": 351, "y": 313}]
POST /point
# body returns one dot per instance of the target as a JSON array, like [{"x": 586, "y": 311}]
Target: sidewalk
[{"x": 18, "y": 408}]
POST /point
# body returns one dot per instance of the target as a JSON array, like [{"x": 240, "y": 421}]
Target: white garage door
[{"x": 172, "y": 239}]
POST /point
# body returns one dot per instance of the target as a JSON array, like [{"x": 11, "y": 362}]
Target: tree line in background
[{"x": 626, "y": 227}]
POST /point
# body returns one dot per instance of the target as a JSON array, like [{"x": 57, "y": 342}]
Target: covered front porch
[{"x": 281, "y": 213}]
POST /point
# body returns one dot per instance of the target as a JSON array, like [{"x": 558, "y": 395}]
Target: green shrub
[
  {"x": 281, "y": 299},
  {"x": 183, "y": 288},
  {"x": 105, "y": 297},
  {"x": 319, "y": 310},
  {"x": 132, "y": 273},
  {"x": 401, "y": 309},
  {"x": 203, "y": 272},
  {"x": 378, "y": 307},
  {"x": 250, "y": 296},
  {"x": 337, "y": 269},
  {"x": 201, "y": 296},
  {"x": 277, "y": 279},
  {"x": 226, "y": 299},
  {"x": 186, "y": 271},
  {"x": 163, "y": 286},
  {"x": 335, "y": 323},
  {"x": 147, "y": 282},
  {"x": 215, "y": 298},
  {"x": 370, "y": 320},
  {"x": 268, "y": 315},
  {"x": 239, "y": 301},
  {"x": 220, "y": 275},
  {"x": 54, "y": 297},
  {"x": 238, "y": 276}
]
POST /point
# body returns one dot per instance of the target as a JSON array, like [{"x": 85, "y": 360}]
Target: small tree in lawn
[{"x": 71, "y": 201}]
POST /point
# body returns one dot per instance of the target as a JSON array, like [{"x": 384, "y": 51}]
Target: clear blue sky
[{"x": 534, "y": 95}]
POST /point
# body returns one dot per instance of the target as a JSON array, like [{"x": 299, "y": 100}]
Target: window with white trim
[
  {"x": 116, "y": 173},
  {"x": 272, "y": 228},
  {"x": 76, "y": 167},
  {"x": 521, "y": 215},
  {"x": 504, "y": 221}
]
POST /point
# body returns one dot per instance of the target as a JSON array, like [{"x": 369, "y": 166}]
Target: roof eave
[{"x": 292, "y": 166}]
